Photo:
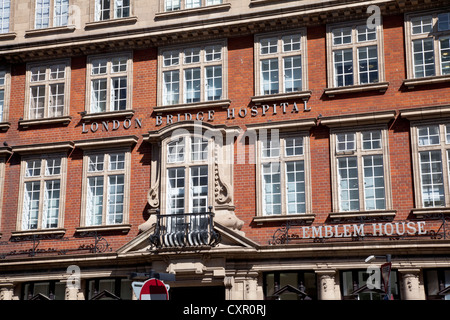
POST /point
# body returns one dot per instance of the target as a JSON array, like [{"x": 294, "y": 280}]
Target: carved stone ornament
[{"x": 221, "y": 188}]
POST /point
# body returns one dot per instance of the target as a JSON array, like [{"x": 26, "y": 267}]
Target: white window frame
[
  {"x": 435, "y": 35},
  {"x": 108, "y": 76},
  {"x": 105, "y": 174},
  {"x": 5, "y": 16},
  {"x": 54, "y": 19},
  {"x": 181, "y": 66},
  {"x": 186, "y": 163},
  {"x": 112, "y": 10},
  {"x": 443, "y": 146},
  {"x": 354, "y": 46},
  {"x": 359, "y": 153},
  {"x": 177, "y": 5},
  {"x": 279, "y": 56},
  {"x": 42, "y": 179},
  {"x": 5, "y": 85},
  {"x": 47, "y": 83},
  {"x": 283, "y": 159}
]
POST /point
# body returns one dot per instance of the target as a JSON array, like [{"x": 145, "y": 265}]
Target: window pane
[
  {"x": 51, "y": 204},
  {"x": 42, "y": 17},
  {"x": 295, "y": 188},
  {"x": 193, "y": 4},
  {"x": 271, "y": 188},
  {"x": 366, "y": 34},
  {"x": 292, "y": 73},
  {"x": 269, "y": 76},
  {"x": 293, "y": 146},
  {"x": 270, "y": 148},
  {"x": 374, "y": 195},
  {"x": 102, "y": 10},
  {"x": 192, "y": 85},
  {"x": 98, "y": 95},
  {"x": 213, "y": 53},
  {"x": 199, "y": 149},
  {"x": 175, "y": 151},
  {"x": 30, "y": 212},
  {"x": 269, "y": 45},
  {"x": 346, "y": 141},
  {"x": 423, "y": 54},
  {"x": 61, "y": 15},
  {"x": 342, "y": 36},
  {"x": 445, "y": 55},
  {"x": 57, "y": 71},
  {"x": 94, "y": 205},
  {"x": 213, "y": 83},
  {"x": 53, "y": 167},
  {"x": 212, "y": 2},
  {"x": 37, "y": 102},
  {"x": 432, "y": 179},
  {"x": 119, "y": 64},
  {"x": 38, "y": 74},
  {"x": 444, "y": 21},
  {"x": 291, "y": 43},
  {"x": 56, "y": 100},
  {"x": 99, "y": 66},
  {"x": 171, "y": 87},
  {"x": 175, "y": 191},
  {"x": 422, "y": 24},
  {"x": 118, "y": 93},
  {"x": 192, "y": 55},
  {"x": 116, "y": 161},
  {"x": 96, "y": 163},
  {"x": 199, "y": 189},
  {"x": 368, "y": 64},
  {"x": 428, "y": 135},
  {"x": 116, "y": 189},
  {"x": 172, "y": 5},
  {"x": 33, "y": 168},
  {"x": 371, "y": 140},
  {"x": 122, "y": 8},
  {"x": 343, "y": 67},
  {"x": 348, "y": 184},
  {"x": 5, "y": 7},
  {"x": 171, "y": 58}
]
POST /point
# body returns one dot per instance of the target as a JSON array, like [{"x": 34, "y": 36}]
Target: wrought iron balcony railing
[{"x": 184, "y": 230}]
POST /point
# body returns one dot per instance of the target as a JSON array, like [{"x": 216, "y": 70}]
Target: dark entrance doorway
[{"x": 206, "y": 293}]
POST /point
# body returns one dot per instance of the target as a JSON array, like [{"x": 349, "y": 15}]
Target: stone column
[
  {"x": 411, "y": 286},
  {"x": 6, "y": 291},
  {"x": 327, "y": 285}
]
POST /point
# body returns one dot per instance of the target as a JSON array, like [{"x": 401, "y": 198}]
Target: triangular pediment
[{"x": 229, "y": 239}]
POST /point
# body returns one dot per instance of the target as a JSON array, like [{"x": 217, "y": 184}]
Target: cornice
[{"x": 221, "y": 26}]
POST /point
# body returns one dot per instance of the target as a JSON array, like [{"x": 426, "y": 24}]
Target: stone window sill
[
  {"x": 109, "y": 142},
  {"x": 305, "y": 218},
  {"x": 8, "y": 36},
  {"x": 412, "y": 83},
  {"x": 427, "y": 212},
  {"x": 379, "y": 86},
  {"x": 111, "y": 23},
  {"x": 364, "y": 215},
  {"x": 193, "y": 106},
  {"x": 36, "y": 122},
  {"x": 104, "y": 115},
  {"x": 5, "y": 126},
  {"x": 304, "y": 95},
  {"x": 48, "y": 31},
  {"x": 206, "y": 9},
  {"x": 105, "y": 228},
  {"x": 42, "y": 232}
]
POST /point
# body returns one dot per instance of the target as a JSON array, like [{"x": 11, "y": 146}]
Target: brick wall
[{"x": 241, "y": 89}]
